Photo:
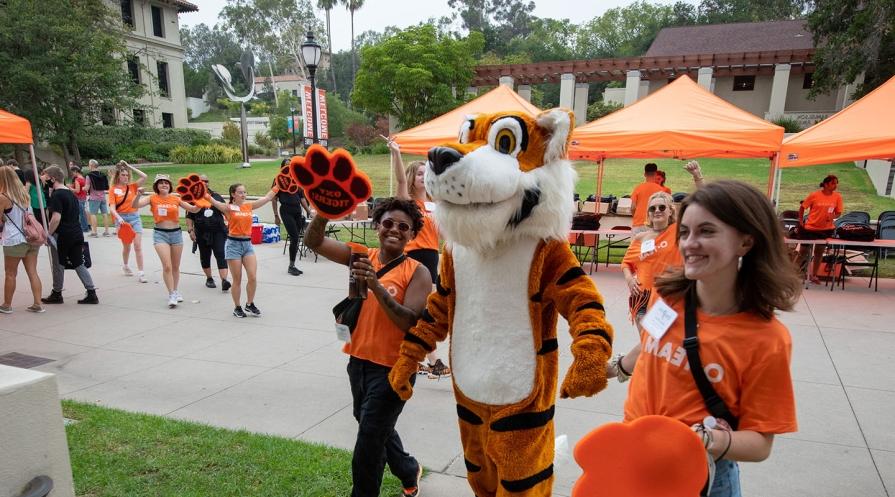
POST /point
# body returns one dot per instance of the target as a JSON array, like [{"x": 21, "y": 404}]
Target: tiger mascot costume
[{"x": 504, "y": 206}]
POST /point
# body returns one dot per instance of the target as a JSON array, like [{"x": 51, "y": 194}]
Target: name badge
[
  {"x": 118, "y": 191},
  {"x": 343, "y": 333},
  {"x": 208, "y": 213},
  {"x": 162, "y": 211},
  {"x": 647, "y": 246},
  {"x": 234, "y": 207},
  {"x": 430, "y": 206},
  {"x": 658, "y": 319}
]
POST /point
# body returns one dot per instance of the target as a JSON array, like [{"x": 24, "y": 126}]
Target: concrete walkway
[{"x": 284, "y": 373}]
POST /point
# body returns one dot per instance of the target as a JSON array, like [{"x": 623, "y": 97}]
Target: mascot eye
[
  {"x": 505, "y": 141},
  {"x": 507, "y": 135},
  {"x": 465, "y": 130}
]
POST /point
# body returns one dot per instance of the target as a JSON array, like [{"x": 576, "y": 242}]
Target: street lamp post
[
  {"x": 294, "y": 125},
  {"x": 311, "y": 52}
]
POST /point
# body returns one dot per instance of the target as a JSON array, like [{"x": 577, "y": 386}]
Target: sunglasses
[
  {"x": 389, "y": 224},
  {"x": 660, "y": 207}
]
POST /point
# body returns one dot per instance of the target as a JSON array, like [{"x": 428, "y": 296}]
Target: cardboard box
[{"x": 624, "y": 207}]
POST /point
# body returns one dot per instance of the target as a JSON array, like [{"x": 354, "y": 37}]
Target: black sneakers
[
  {"x": 90, "y": 298},
  {"x": 225, "y": 285},
  {"x": 209, "y": 282},
  {"x": 253, "y": 309},
  {"x": 294, "y": 271},
  {"x": 238, "y": 312}
]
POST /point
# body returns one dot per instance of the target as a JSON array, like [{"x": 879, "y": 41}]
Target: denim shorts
[
  {"x": 160, "y": 237},
  {"x": 727, "y": 480},
  {"x": 97, "y": 206},
  {"x": 133, "y": 219},
  {"x": 237, "y": 249}
]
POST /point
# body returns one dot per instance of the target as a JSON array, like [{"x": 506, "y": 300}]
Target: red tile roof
[{"x": 732, "y": 38}]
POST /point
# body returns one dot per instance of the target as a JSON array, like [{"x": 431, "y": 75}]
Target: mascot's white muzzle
[{"x": 483, "y": 176}]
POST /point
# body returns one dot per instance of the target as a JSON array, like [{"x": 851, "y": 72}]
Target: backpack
[
  {"x": 587, "y": 221},
  {"x": 35, "y": 234},
  {"x": 98, "y": 181},
  {"x": 856, "y": 232}
]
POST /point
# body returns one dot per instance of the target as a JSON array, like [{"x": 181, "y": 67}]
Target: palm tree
[
  {"x": 328, "y": 5},
  {"x": 352, "y": 6}
]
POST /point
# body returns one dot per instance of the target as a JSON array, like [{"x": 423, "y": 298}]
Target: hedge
[
  {"x": 205, "y": 154},
  {"x": 133, "y": 143}
]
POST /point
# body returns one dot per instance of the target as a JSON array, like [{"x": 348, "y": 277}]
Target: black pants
[
  {"x": 294, "y": 222},
  {"x": 376, "y": 409},
  {"x": 208, "y": 242}
]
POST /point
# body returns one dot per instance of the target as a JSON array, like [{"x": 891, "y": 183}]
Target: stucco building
[{"x": 156, "y": 59}]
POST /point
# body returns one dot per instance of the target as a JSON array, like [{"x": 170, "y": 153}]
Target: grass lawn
[{"x": 116, "y": 453}]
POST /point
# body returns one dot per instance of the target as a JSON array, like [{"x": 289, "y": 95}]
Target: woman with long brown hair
[
  {"x": 736, "y": 273},
  {"x": 14, "y": 200},
  {"x": 122, "y": 193}
]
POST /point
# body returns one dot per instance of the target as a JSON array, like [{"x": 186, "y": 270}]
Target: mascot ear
[{"x": 557, "y": 124}]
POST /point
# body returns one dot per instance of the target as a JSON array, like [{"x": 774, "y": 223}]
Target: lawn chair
[
  {"x": 885, "y": 230},
  {"x": 855, "y": 217}
]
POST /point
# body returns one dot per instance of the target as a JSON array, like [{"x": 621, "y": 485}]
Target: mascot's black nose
[{"x": 442, "y": 158}]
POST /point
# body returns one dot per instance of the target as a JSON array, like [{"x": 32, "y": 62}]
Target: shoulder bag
[{"x": 34, "y": 232}]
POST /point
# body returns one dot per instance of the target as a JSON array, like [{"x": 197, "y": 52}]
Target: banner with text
[{"x": 321, "y": 120}]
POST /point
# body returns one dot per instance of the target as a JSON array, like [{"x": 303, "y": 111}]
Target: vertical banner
[
  {"x": 322, "y": 118},
  {"x": 307, "y": 114}
]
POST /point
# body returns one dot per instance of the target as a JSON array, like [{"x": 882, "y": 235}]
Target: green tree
[
  {"x": 624, "y": 31},
  {"x": 500, "y": 21},
  {"x": 727, "y": 11},
  {"x": 416, "y": 73},
  {"x": 202, "y": 47},
  {"x": 61, "y": 71},
  {"x": 353, "y": 6},
  {"x": 853, "y": 36}
]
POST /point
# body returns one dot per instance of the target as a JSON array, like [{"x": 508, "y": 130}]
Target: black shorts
[
  {"x": 806, "y": 234},
  {"x": 428, "y": 258}
]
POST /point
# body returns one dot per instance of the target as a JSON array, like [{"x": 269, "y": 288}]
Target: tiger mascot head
[{"x": 506, "y": 177}]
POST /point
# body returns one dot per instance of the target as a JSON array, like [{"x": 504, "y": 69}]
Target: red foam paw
[
  {"x": 332, "y": 182},
  {"x": 191, "y": 188},
  {"x": 284, "y": 180}
]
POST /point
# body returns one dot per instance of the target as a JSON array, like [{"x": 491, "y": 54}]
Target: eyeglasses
[
  {"x": 389, "y": 224},
  {"x": 661, "y": 208}
]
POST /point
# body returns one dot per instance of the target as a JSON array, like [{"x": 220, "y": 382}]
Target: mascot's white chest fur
[{"x": 493, "y": 354}]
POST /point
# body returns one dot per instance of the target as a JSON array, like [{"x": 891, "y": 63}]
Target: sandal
[{"x": 814, "y": 279}]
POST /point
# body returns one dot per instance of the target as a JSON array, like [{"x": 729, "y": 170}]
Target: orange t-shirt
[
  {"x": 127, "y": 193},
  {"x": 376, "y": 338},
  {"x": 164, "y": 209},
  {"x": 653, "y": 263},
  {"x": 822, "y": 209},
  {"x": 746, "y": 358},
  {"x": 639, "y": 199},
  {"x": 239, "y": 220},
  {"x": 665, "y": 189},
  {"x": 427, "y": 238}
]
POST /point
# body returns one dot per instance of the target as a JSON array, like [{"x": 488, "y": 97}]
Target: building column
[
  {"x": 843, "y": 96},
  {"x": 778, "y": 92},
  {"x": 567, "y": 91},
  {"x": 632, "y": 87},
  {"x": 506, "y": 80},
  {"x": 524, "y": 91},
  {"x": 472, "y": 90},
  {"x": 580, "y": 108},
  {"x": 393, "y": 124},
  {"x": 705, "y": 78}
]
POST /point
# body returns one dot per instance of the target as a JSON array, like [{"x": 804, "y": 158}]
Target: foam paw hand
[
  {"x": 586, "y": 375},
  {"x": 191, "y": 188},
  {"x": 284, "y": 180},
  {"x": 653, "y": 455},
  {"x": 400, "y": 375},
  {"x": 332, "y": 182}
]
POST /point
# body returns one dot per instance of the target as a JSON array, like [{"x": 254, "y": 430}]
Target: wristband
[{"x": 726, "y": 449}]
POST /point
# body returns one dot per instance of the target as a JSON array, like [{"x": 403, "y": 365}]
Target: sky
[{"x": 377, "y": 14}]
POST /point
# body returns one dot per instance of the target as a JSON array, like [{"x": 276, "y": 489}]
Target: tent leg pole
[
  {"x": 772, "y": 173},
  {"x": 777, "y": 183},
  {"x": 600, "y": 181},
  {"x": 40, "y": 198}
]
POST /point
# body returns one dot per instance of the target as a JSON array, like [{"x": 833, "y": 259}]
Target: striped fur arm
[{"x": 432, "y": 326}]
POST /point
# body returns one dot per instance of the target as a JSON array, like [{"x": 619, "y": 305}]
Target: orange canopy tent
[
  {"x": 14, "y": 129},
  {"x": 17, "y": 130},
  {"x": 863, "y": 130},
  {"x": 446, "y": 127},
  {"x": 681, "y": 120}
]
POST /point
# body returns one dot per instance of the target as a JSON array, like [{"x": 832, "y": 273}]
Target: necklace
[{"x": 390, "y": 261}]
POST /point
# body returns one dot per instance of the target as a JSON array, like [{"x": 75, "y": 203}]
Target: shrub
[
  {"x": 231, "y": 132},
  {"x": 205, "y": 154},
  {"x": 789, "y": 124},
  {"x": 378, "y": 147},
  {"x": 110, "y": 142},
  {"x": 361, "y": 134},
  {"x": 264, "y": 141},
  {"x": 599, "y": 109},
  {"x": 96, "y": 147}
]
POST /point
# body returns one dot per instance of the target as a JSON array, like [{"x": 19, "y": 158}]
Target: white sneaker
[
  {"x": 178, "y": 295},
  {"x": 142, "y": 278},
  {"x": 127, "y": 271},
  {"x": 172, "y": 301}
]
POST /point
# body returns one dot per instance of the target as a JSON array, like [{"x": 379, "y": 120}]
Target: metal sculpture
[{"x": 247, "y": 66}]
